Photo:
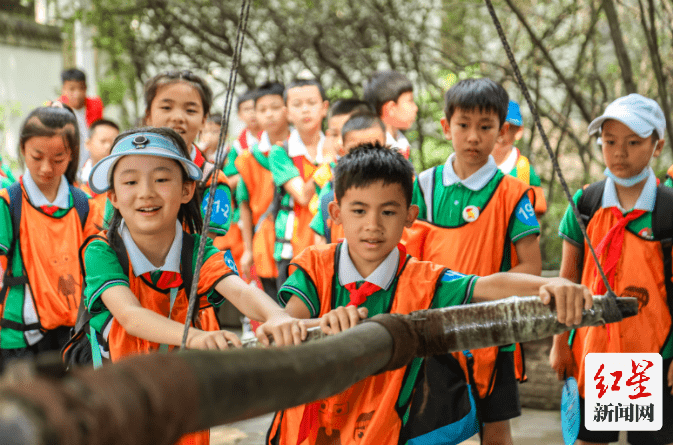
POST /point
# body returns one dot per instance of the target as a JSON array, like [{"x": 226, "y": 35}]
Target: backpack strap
[
  {"x": 591, "y": 200},
  {"x": 81, "y": 203},
  {"x": 187, "y": 258},
  {"x": 8, "y": 280},
  {"x": 426, "y": 183}
]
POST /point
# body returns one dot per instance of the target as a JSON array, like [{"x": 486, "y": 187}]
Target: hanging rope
[
  {"x": 220, "y": 156},
  {"x": 547, "y": 145}
]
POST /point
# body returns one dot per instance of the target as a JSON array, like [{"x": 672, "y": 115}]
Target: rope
[
  {"x": 220, "y": 156},
  {"x": 547, "y": 145}
]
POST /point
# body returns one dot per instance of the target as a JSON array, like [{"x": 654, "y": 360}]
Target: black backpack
[
  {"x": 662, "y": 224},
  {"x": 77, "y": 352},
  {"x": 81, "y": 204}
]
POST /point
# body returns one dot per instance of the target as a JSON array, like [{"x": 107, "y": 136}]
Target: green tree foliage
[{"x": 575, "y": 58}]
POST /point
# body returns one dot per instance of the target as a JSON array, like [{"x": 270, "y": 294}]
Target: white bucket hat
[{"x": 640, "y": 114}]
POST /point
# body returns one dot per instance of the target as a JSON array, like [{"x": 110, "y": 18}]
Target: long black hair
[
  {"x": 49, "y": 122},
  {"x": 190, "y": 213}
]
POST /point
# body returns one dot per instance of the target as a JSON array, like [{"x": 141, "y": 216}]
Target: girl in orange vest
[
  {"x": 181, "y": 100},
  {"x": 151, "y": 183},
  {"x": 43, "y": 221}
]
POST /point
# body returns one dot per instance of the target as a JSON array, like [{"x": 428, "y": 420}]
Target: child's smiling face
[
  {"x": 373, "y": 219},
  {"x": 625, "y": 153},
  {"x": 178, "y": 106},
  {"x": 148, "y": 192}
]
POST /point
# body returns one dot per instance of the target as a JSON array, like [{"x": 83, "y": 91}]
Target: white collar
[
  {"x": 296, "y": 147},
  {"x": 264, "y": 144},
  {"x": 383, "y": 276},
  {"x": 645, "y": 200},
  {"x": 85, "y": 171},
  {"x": 37, "y": 198},
  {"x": 250, "y": 138},
  {"x": 140, "y": 262},
  {"x": 476, "y": 181},
  {"x": 397, "y": 142},
  {"x": 510, "y": 161}
]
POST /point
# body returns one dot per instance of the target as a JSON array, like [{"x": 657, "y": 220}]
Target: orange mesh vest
[
  {"x": 645, "y": 332},
  {"x": 477, "y": 248},
  {"x": 260, "y": 186},
  {"x": 366, "y": 412},
  {"x": 49, "y": 249}
]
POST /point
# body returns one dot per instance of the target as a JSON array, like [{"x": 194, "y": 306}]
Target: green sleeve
[
  {"x": 107, "y": 215},
  {"x": 668, "y": 182},
  {"x": 282, "y": 167},
  {"x": 569, "y": 229},
  {"x": 242, "y": 193},
  {"x": 299, "y": 284},
  {"x": 220, "y": 216},
  {"x": 523, "y": 222},
  {"x": 229, "y": 166},
  {"x": 453, "y": 289},
  {"x": 6, "y": 232},
  {"x": 101, "y": 272},
  {"x": 534, "y": 178},
  {"x": 417, "y": 198}
]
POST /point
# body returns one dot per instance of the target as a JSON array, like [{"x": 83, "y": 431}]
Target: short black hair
[
  {"x": 348, "y": 106},
  {"x": 385, "y": 86},
  {"x": 369, "y": 163},
  {"x": 248, "y": 95},
  {"x": 362, "y": 121},
  {"x": 101, "y": 122},
  {"x": 215, "y": 118},
  {"x": 298, "y": 83},
  {"x": 73, "y": 74},
  {"x": 477, "y": 94},
  {"x": 270, "y": 89}
]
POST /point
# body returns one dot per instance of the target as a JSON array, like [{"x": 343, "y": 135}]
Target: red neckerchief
[
  {"x": 47, "y": 210},
  {"x": 167, "y": 279},
  {"x": 308, "y": 426},
  {"x": 243, "y": 139},
  {"x": 611, "y": 245},
  {"x": 199, "y": 159}
]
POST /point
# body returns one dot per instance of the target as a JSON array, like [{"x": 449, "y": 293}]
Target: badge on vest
[
  {"x": 221, "y": 207},
  {"x": 471, "y": 213},
  {"x": 229, "y": 261}
]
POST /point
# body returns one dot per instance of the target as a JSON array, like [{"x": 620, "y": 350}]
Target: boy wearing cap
[
  {"x": 623, "y": 220},
  {"x": 510, "y": 160}
]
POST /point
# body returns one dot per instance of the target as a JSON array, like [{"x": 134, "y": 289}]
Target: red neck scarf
[
  {"x": 611, "y": 246},
  {"x": 163, "y": 279}
]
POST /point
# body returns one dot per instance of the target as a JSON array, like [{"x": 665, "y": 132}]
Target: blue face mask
[{"x": 628, "y": 182}]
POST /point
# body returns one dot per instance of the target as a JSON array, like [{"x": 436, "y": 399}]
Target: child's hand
[
  {"x": 211, "y": 340},
  {"x": 570, "y": 299},
  {"x": 561, "y": 358},
  {"x": 285, "y": 329},
  {"x": 342, "y": 318}
]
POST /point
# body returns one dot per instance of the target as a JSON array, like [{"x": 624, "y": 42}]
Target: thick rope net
[
  {"x": 220, "y": 156},
  {"x": 547, "y": 145}
]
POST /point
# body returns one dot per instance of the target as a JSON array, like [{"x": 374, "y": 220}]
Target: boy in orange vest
[
  {"x": 292, "y": 166},
  {"x": 391, "y": 95},
  {"x": 479, "y": 221},
  {"x": 624, "y": 214},
  {"x": 370, "y": 273},
  {"x": 512, "y": 162}
]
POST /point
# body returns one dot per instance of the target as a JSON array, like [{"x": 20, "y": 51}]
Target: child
[
  {"x": 44, "y": 220},
  {"x": 292, "y": 165},
  {"x": 101, "y": 136},
  {"x": 622, "y": 217},
  {"x": 479, "y": 221},
  {"x": 373, "y": 189},
  {"x": 512, "y": 162},
  {"x": 249, "y": 136},
  {"x": 391, "y": 95},
  {"x": 151, "y": 182},
  {"x": 87, "y": 109},
  {"x": 338, "y": 114},
  {"x": 359, "y": 129},
  {"x": 255, "y": 189},
  {"x": 210, "y": 136}
]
